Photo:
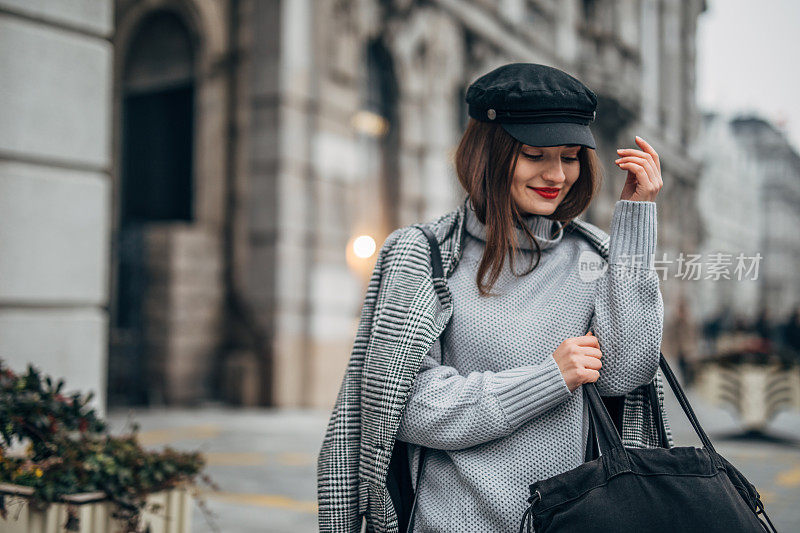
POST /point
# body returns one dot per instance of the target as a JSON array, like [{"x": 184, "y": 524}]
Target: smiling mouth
[{"x": 546, "y": 192}]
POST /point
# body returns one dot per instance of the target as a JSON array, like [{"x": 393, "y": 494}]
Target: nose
[{"x": 554, "y": 172}]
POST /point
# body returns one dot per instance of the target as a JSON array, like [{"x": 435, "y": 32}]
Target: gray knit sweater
[{"x": 497, "y": 414}]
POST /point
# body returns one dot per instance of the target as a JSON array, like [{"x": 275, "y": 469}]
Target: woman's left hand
[{"x": 644, "y": 172}]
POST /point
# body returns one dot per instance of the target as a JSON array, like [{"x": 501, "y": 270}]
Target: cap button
[{"x": 491, "y": 114}]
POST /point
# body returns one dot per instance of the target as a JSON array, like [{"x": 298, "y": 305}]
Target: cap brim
[{"x": 551, "y": 134}]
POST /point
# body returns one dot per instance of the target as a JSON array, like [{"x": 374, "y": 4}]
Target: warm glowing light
[
  {"x": 364, "y": 246},
  {"x": 370, "y": 123}
]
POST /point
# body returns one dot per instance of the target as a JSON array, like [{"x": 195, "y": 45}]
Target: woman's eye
[{"x": 571, "y": 158}]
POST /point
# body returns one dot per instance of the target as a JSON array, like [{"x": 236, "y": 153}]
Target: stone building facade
[
  {"x": 252, "y": 141},
  {"x": 732, "y": 220},
  {"x": 750, "y": 202},
  {"x": 778, "y": 164},
  {"x": 55, "y": 188}
]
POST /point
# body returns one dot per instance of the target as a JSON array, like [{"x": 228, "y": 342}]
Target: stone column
[
  {"x": 55, "y": 193},
  {"x": 281, "y": 206}
]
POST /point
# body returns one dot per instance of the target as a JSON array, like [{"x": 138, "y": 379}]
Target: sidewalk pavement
[{"x": 264, "y": 460}]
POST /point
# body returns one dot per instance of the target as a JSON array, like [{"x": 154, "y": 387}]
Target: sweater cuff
[
  {"x": 634, "y": 233},
  {"x": 528, "y": 390}
]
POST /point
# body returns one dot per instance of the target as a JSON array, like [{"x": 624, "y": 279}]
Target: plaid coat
[{"x": 403, "y": 314}]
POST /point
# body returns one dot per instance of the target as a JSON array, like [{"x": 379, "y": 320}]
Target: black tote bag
[{"x": 657, "y": 490}]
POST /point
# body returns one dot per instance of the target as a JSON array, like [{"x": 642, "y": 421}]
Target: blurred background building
[
  {"x": 181, "y": 181},
  {"x": 749, "y": 197}
]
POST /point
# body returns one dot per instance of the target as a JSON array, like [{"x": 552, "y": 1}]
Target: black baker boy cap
[{"x": 536, "y": 104}]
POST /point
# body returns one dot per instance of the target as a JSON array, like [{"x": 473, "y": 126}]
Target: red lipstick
[{"x": 547, "y": 192}]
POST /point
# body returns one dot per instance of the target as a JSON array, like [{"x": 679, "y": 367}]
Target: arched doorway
[
  {"x": 157, "y": 101},
  {"x": 158, "y": 122}
]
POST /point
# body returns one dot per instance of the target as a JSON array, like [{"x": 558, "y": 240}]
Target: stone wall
[{"x": 55, "y": 201}]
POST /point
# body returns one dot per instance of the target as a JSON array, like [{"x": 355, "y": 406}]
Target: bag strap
[
  {"x": 610, "y": 437},
  {"x": 420, "y": 470},
  {"x": 678, "y": 390},
  {"x": 592, "y": 447},
  {"x": 438, "y": 272}
]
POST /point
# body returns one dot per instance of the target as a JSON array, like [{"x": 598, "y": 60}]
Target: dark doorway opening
[
  {"x": 381, "y": 96},
  {"x": 156, "y": 185}
]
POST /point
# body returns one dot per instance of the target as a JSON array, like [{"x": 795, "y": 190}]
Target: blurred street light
[
  {"x": 370, "y": 123},
  {"x": 364, "y": 246},
  {"x": 360, "y": 255}
]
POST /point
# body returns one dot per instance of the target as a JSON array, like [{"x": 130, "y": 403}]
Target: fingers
[
  {"x": 639, "y": 170},
  {"x": 646, "y": 163},
  {"x": 649, "y": 154},
  {"x": 588, "y": 351},
  {"x": 590, "y": 376},
  {"x": 593, "y": 363},
  {"x": 632, "y": 152},
  {"x": 587, "y": 346},
  {"x": 649, "y": 185},
  {"x": 649, "y": 149},
  {"x": 587, "y": 340}
]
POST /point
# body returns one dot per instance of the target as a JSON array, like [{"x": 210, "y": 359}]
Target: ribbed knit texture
[{"x": 498, "y": 414}]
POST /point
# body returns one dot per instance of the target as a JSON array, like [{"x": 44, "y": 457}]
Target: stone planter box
[{"x": 94, "y": 512}]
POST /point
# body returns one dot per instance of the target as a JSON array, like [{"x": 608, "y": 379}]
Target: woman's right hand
[{"x": 578, "y": 358}]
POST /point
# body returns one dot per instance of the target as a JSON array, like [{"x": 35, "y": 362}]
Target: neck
[{"x": 547, "y": 232}]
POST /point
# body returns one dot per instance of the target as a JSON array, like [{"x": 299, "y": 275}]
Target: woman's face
[{"x": 544, "y": 167}]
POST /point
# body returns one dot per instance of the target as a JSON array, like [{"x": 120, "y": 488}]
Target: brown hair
[{"x": 485, "y": 161}]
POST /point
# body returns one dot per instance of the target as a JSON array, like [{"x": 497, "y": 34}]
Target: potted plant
[{"x": 67, "y": 468}]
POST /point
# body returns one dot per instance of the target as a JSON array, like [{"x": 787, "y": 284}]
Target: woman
[{"x": 498, "y": 399}]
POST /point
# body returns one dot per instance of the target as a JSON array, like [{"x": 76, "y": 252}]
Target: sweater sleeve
[
  {"x": 628, "y": 316},
  {"x": 448, "y": 411}
]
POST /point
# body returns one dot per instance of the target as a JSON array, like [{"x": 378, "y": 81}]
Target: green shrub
[{"x": 69, "y": 451}]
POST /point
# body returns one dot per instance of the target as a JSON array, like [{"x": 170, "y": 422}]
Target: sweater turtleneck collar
[{"x": 542, "y": 228}]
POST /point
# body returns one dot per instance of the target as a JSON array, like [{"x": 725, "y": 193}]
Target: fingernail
[{"x": 619, "y": 150}]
